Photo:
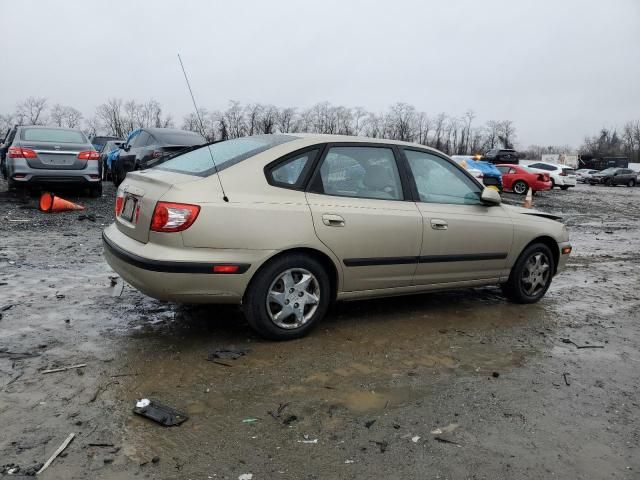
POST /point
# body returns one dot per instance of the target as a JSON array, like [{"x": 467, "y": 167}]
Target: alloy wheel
[
  {"x": 293, "y": 298},
  {"x": 520, "y": 188},
  {"x": 536, "y": 274}
]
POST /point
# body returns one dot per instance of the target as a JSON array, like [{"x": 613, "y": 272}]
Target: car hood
[{"x": 515, "y": 211}]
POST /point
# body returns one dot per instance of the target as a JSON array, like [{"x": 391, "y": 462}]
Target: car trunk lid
[
  {"x": 56, "y": 155},
  {"x": 140, "y": 191}
]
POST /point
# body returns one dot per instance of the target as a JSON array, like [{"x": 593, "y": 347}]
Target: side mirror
[{"x": 491, "y": 197}]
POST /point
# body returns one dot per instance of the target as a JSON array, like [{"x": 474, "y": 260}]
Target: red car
[{"x": 519, "y": 179}]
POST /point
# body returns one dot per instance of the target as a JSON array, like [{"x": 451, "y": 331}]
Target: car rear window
[
  {"x": 52, "y": 135},
  {"x": 568, "y": 171},
  {"x": 177, "y": 138},
  {"x": 199, "y": 161}
]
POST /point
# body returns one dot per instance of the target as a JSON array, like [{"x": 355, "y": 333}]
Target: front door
[
  {"x": 463, "y": 239},
  {"x": 357, "y": 201}
]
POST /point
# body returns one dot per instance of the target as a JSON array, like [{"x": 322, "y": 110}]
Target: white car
[
  {"x": 561, "y": 175},
  {"x": 584, "y": 174}
]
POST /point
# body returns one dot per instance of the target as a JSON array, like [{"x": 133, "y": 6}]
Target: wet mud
[{"x": 358, "y": 398}]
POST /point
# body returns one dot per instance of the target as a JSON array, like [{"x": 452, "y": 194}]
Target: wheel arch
[
  {"x": 325, "y": 260},
  {"x": 549, "y": 242}
]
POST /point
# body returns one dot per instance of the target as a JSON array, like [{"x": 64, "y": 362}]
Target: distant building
[{"x": 596, "y": 162}]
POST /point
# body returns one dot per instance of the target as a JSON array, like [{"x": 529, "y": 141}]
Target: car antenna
[{"x": 224, "y": 195}]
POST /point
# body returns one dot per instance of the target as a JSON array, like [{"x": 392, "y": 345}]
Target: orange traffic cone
[
  {"x": 50, "y": 203},
  {"x": 528, "y": 201}
]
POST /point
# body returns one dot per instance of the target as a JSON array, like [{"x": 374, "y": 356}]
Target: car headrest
[{"x": 376, "y": 177}]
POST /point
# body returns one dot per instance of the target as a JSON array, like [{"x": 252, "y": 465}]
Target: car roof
[
  {"x": 49, "y": 128},
  {"x": 328, "y": 138},
  {"x": 170, "y": 130}
]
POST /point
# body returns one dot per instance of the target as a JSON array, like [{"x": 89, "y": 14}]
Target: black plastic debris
[
  {"x": 162, "y": 414},
  {"x": 227, "y": 354}
]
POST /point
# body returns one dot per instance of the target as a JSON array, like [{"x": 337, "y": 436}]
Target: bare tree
[
  {"x": 64, "y": 116},
  {"x": 506, "y": 133},
  {"x": 31, "y": 111}
]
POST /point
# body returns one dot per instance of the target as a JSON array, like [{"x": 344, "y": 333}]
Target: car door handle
[
  {"x": 438, "y": 224},
  {"x": 331, "y": 220}
]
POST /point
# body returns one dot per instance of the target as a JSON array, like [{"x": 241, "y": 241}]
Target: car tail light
[
  {"x": 157, "y": 154},
  {"x": 173, "y": 217},
  {"x": 19, "y": 152},
  {"x": 119, "y": 203},
  {"x": 89, "y": 155}
]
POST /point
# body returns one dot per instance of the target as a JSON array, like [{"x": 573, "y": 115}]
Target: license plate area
[{"x": 129, "y": 208}]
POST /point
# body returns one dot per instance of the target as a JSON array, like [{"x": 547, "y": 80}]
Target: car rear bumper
[
  {"x": 20, "y": 172},
  {"x": 539, "y": 186},
  {"x": 180, "y": 274},
  {"x": 565, "y": 181}
]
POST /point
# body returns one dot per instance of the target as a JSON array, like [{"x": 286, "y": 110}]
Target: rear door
[
  {"x": 56, "y": 149},
  {"x": 362, "y": 211},
  {"x": 463, "y": 239}
]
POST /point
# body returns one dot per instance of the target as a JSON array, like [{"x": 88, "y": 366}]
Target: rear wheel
[
  {"x": 564, "y": 187},
  {"x": 287, "y": 297},
  {"x": 631, "y": 183},
  {"x": 608, "y": 182},
  {"x": 531, "y": 276},
  {"x": 520, "y": 187},
  {"x": 553, "y": 184}
]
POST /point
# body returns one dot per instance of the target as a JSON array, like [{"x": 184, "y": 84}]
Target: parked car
[
  {"x": 519, "y": 179},
  {"x": 293, "y": 222},
  {"x": 501, "y": 155},
  {"x": 485, "y": 172},
  {"x": 149, "y": 146},
  {"x": 38, "y": 155},
  {"x": 108, "y": 148},
  {"x": 99, "y": 142},
  {"x": 561, "y": 175},
  {"x": 584, "y": 174},
  {"x": 615, "y": 176}
]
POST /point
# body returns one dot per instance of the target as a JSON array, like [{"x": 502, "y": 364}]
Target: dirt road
[{"x": 358, "y": 398}]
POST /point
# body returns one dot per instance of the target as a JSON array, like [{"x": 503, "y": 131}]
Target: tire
[
  {"x": 608, "y": 182},
  {"x": 553, "y": 184},
  {"x": 271, "y": 278},
  {"x": 95, "y": 191},
  {"x": 520, "y": 187},
  {"x": 564, "y": 187},
  {"x": 631, "y": 183},
  {"x": 516, "y": 288}
]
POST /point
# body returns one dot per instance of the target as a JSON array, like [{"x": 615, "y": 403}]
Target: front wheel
[
  {"x": 631, "y": 183},
  {"x": 531, "y": 276},
  {"x": 287, "y": 297}
]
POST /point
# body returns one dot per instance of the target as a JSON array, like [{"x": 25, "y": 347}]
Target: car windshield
[
  {"x": 609, "y": 171},
  {"x": 53, "y": 135},
  {"x": 227, "y": 153},
  {"x": 177, "y": 138}
]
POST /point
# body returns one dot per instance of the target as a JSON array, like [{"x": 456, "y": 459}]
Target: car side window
[
  {"x": 363, "y": 172},
  {"x": 513, "y": 170},
  {"x": 504, "y": 169},
  {"x": 439, "y": 181},
  {"x": 290, "y": 172}
]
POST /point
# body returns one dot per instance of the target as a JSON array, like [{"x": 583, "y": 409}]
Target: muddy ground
[{"x": 358, "y": 398}]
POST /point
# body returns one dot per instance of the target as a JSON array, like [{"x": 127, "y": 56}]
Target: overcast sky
[{"x": 559, "y": 69}]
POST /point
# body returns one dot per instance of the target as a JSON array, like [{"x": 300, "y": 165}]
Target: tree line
[{"x": 454, "y": 135}]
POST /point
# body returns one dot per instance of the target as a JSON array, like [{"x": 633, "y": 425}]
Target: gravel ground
[{"x": 359, "y": 398}]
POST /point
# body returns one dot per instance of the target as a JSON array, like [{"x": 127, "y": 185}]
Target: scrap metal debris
[
  {"x": 448, "y": 429},
  {"x": 227, "y": 353},
  {"x": 159, "y": 413}
]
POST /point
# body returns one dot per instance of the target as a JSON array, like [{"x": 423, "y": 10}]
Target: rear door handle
[
  {"x": 331, "y": 220},
  {"x": 438, "y": 224}
]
